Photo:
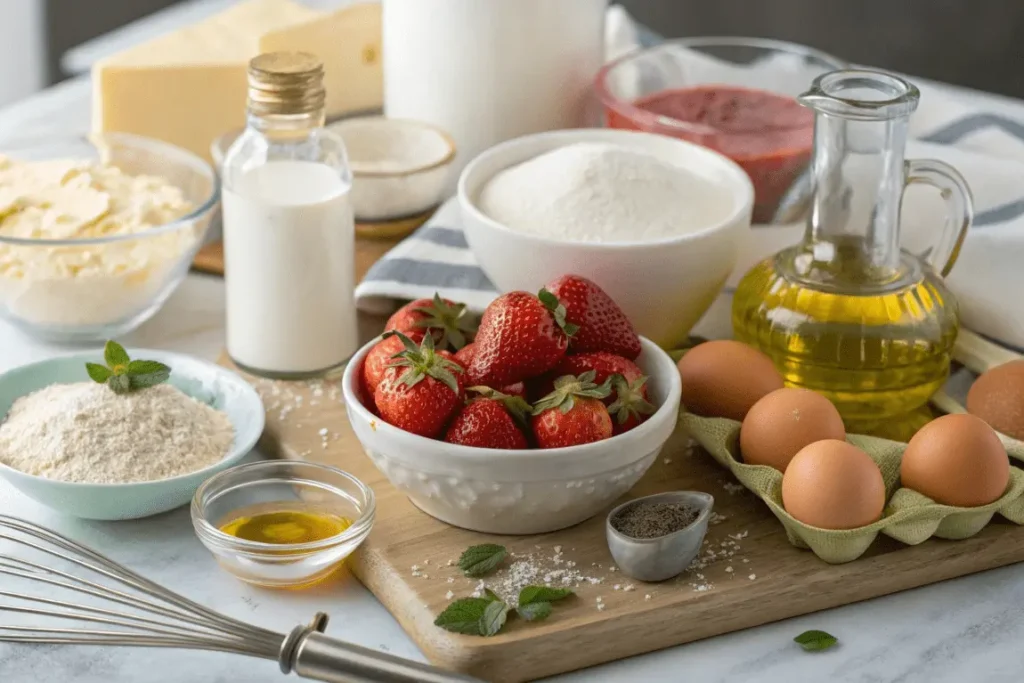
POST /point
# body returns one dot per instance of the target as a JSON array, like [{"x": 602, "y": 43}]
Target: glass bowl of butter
[
  {"x": 283, "y": 524},
  {"x": 97, "y": 231}
]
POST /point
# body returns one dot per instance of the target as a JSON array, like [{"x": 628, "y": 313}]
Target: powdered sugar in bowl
[
  {"x": 85, "y": 496},
  {"x": 656, "y": 222}
]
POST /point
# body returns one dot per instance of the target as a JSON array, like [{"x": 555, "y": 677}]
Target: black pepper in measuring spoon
[{"x": 651, "y": 520}]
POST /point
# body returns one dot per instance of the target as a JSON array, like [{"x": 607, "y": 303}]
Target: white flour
[
  {"x": 599, "y": 192},
  {"x": 84, "y": 432}
]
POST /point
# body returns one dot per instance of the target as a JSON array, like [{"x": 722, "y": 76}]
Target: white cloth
[{"x": 986, "y": 147}]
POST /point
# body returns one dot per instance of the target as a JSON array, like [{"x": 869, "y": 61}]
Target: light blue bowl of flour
[{"x": 209, "y": 383}]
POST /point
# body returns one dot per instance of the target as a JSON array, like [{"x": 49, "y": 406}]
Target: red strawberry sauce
[{"x": 767, "y": 134}]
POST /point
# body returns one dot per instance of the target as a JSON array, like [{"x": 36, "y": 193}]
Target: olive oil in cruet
[{"x": 847, "y": 312}]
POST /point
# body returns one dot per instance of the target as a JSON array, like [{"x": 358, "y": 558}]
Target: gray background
[{"x": 976, "y": 43}]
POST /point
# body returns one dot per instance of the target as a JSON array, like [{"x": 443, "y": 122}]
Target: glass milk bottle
[{"x": 288, "y": 228}]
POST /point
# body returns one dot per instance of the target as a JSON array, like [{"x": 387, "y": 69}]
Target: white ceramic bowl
[
  {"x": 399, "y": 167},
  {"x": 205, "y": 381},
  {"x": 664, "y": 286},
  {"x": 517, "y": 492}
]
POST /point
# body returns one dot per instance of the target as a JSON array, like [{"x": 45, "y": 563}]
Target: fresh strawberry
[
  {"x": 572, "y": 414},
  {"x": 449, "y": 322},
  {"x": 604, "y": 365},
  {"x": 464, "y": 357},
  {"x": 421, "y": 389},
  {"x": 516, "y": 389},
  {"x": 377, "y": 360},
  {"x": 630, "y": 406},
  {"x": 520, "y": 336},
  {"x": 602, "y": 324},
  {"x": 491, "y": 421}
]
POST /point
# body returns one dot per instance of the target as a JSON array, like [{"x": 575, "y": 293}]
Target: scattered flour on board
[
  {"x": 600, "y": 192},
  {"x": 84, "y": 432}
]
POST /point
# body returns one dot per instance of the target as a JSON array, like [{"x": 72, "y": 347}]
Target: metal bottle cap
[{"x": 284, "y": 83}]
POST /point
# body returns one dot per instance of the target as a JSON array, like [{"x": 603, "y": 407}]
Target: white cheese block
[
  {"x": 189, "y": 87},
  {"x": 349, "y": 43}
]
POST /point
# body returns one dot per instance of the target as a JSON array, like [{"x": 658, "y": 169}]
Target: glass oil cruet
[{"x": 847, "y": 312}]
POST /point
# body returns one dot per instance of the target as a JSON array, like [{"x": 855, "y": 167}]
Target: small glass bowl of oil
[{"x": 282, "y": 524}]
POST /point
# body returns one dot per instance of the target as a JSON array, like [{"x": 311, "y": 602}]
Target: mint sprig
[
  {"x": 487, "y": 615},
  {"x": 478, "y": 560},
  {"x": 124, "y": 375},
  {"x": 815, "y": 641}
]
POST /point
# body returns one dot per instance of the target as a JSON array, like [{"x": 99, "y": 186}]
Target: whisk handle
[{"x": 321, "y": 658}]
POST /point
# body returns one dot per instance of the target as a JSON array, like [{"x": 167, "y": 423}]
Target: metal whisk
[{"x": 124, "y": 609}]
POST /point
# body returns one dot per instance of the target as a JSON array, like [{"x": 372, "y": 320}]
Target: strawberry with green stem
[
  {"x": 520, "y": 336},
  {"x": 630, "y": 406},
  {"x": 449, "y": 323},
  {"x": 421, "y": 388},
  {"x": 492, "y": 420},
  {"x": 573, "y": 414},
  {"x": 464, "y": 357},
  {"x": 603, "y": 326}
]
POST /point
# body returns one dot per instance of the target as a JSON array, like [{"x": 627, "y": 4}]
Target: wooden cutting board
[{"x": 752, "y": 575}]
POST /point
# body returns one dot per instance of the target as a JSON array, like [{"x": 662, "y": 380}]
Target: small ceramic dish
[
  {"x": 264, "y": 487},
  {"x": 212, "y": 384},
  {"x": 399, "y": 167},
  {"x": 660, "y": 558},
  {"x": 532, "y": 491}
]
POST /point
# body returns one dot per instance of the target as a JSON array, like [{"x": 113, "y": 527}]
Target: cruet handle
[{"x": 959, "y": 208}]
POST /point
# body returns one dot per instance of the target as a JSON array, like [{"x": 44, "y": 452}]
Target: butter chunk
[{"x": 189, "y": 86}]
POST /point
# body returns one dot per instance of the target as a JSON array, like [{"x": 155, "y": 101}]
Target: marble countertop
[{"x": 967, "y": 629}]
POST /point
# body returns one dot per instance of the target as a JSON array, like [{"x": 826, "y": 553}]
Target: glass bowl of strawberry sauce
[{"x": 734, "y": 95}]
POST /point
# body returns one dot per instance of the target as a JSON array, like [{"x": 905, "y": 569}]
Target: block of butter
[{"x": 188, "y": 87}]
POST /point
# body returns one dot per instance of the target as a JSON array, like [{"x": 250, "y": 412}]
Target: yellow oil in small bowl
[{"x": 286, "y": 527}]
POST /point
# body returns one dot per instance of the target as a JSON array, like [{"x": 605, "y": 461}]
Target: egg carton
[{"x": 909, "y": 517}]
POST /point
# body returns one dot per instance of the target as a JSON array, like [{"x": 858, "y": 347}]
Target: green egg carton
[{"x": 909, "y": 517}]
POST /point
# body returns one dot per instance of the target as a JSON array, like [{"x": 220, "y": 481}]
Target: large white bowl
[
  {"x": 212, "y": 384},
  {"x": 664, "y": 286},
  {"x": 517, "y": 492}
]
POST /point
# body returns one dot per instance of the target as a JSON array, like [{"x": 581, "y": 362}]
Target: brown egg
[
  {"x": 956, "y": 460},
  {"x": 997, "y": 397},
  {"x": 783, "y": 422},
  {"x": 725, "y": 378},
  {"x": 833, "y": 485}
]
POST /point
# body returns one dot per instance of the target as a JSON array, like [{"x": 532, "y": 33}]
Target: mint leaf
[
  {"x": 148, "y": 380},
  {"x": 463, "y": 616},
  {"x": 494, "y": 618},
  {"x": 145, "y": 367},
  {"x": 535, "y": 594},
  {"x": 534, "y": 611},
  {"x": 98, "y": 373},
  {"x": 116, "y": 357},
  {"x": 815, "y": 641},
  {"x": 491, "y": 595},
  {"x": 478, "y": 560},
  {"x": 120, "y": 384}
]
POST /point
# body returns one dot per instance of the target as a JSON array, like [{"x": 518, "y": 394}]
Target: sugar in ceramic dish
[{"x": 400, "y": 167}]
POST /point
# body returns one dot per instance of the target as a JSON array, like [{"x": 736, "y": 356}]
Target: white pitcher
[{"x": 490, "y": 70}]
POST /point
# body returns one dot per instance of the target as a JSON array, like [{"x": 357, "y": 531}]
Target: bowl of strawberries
[{"x": 535, "y": 420}]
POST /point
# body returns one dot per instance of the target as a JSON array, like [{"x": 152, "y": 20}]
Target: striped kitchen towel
[{"x": 435, "y": 258}]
